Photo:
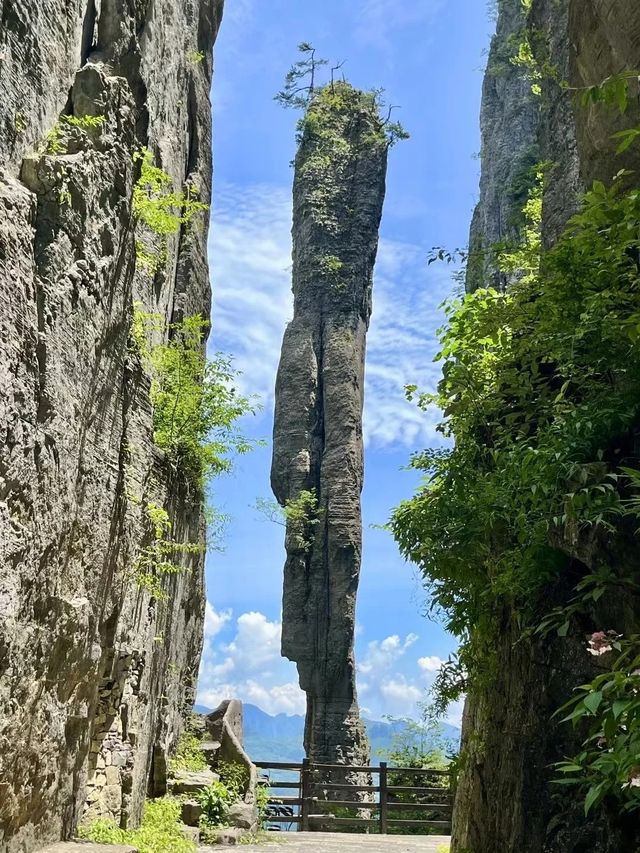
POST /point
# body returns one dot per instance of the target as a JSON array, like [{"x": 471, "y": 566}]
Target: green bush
[
  {"x": 417, "y": 745},
  {"x": 159, "y": 832},
  {"x": 214, "y": 801},
  {"x": 189, "y": 754},
  {"x": 235, "y": 777},
  {"x": 540, "y": 392},
  {"x": 195, "y": 403},
  {"x": 158, "y": 207}
]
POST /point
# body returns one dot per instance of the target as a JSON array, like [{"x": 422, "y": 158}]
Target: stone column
[{"x": 338, "y": 194}]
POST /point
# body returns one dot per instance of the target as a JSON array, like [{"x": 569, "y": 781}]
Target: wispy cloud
[
  {"x": 382, "y": 655},
  {"x": 377, "y": 21},
  {"x": 250, "y": 248}
]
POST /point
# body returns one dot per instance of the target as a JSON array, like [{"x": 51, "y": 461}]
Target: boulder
[
  {"x": 243, "y": 815},
  {"x": 190, "y": 782},
  {"x": 191, "y": 811}
]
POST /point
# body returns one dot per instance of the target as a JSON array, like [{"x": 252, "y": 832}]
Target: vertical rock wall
[
  {"x": 508, "y": 123},
  {"x": 338, "y": 194},
  {"x": 504, "y": 800},
  {"x": 95, "y": 676}
]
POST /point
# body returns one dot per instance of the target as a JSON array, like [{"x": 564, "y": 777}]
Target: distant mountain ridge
[{"x": 280, "y": 737}]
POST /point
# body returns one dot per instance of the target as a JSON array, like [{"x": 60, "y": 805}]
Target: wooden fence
[{"x": 317, "y": 792}]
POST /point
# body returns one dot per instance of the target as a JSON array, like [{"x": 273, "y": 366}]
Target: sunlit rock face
[
  {"x": 504, "y": 800},
  {"x": 95, "y": 676},
  {"x": 318, "y": 425},
  {"x": 509, "y": 125}
]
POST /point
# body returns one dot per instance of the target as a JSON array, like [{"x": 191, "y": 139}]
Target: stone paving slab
[{"x": 341, "y": 842}]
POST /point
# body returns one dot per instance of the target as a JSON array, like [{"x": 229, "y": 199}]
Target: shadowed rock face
[
  {"x": 504, "y": 801},
  {"x": 95, "y": 676},
  {"x": 338, "y": 194}
]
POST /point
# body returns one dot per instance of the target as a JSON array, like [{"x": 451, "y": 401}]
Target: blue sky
[{"x": 428, "y": 55}]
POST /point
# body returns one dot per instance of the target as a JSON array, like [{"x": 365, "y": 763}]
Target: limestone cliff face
[
  {"x": 508, "y": 124},
  {"x": 338, "y": 195},
  {"x": 504, "y": 800},
  {"x": 95, "y": 675}
]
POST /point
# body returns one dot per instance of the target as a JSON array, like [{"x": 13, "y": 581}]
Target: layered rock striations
[
  {"x": 508, "y": 123},
  {"x": 95, "y": 674},
  {"x": 504, "y": 799},
  {"x": 317, "y": 469}
]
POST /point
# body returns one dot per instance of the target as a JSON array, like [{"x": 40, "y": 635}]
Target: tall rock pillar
[{"x": 317, "y": 466}]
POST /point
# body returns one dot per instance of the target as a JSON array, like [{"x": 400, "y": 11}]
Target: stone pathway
[{"x": 325, "y": 842}]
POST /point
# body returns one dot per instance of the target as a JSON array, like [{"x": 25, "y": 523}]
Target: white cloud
[
  {"x": 382, "y": 655},
  {"x": 214, "y": 622},
  {"x": 251, "y": 269},
  {"x": 257, "y": 642},
  {"x": 250, "y": 248},
  {"x": 430, "y": 665},
  {"x": 401, "y": 697},
  {"x": 249, "y": 667},
  {"x": 242, "y": 668}
]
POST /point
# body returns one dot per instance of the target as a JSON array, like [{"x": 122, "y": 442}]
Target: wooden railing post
[
  {"x": 305, "y": 794},
  {"x": 383, "y": 797}
]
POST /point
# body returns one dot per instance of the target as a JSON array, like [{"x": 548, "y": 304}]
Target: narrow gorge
[{"x": 117, "y": 412}]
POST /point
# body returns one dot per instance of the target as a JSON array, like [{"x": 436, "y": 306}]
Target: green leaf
[
  {"x": 594, "y": 795},
  {"x": 593, "y": 701},
  {"x": 619, "y": 707}
]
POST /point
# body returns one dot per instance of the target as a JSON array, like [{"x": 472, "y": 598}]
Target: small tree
[
  {"x": 416, "y": 744},
  {"x": 300, "y": 82}
]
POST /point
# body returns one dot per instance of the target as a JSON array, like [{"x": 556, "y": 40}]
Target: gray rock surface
[
  {"x": 509, "y": 121},
  {"x": 95, "y": 676},
  {"x": 318, "y": 424},
  {"x": 243, "y": 816},
  {"x": 504, "y": 801},
  {"x": 191, "y": 781},
  {"x": 228, "y": 836},
  {"x": 191, "y": 811}
]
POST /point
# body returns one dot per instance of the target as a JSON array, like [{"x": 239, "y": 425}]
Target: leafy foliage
[
  {"x": 215, "y": 801},
  {"x": 540, "y": 386},
  {"x": 188, "y": 754},
  {"x": 300, "y": 82},
  {"x": 609, "y": 764},
  {"x": 416, "y": 745},
  {"x": 162, "y": 210},
  {"x": 158, "y": 559},
  {"x": 195, "y": 404},
  {"x": 56, "y": 140},
  {"x": 235, "y": 777},
  {"x": 220, "y": 795},
  {"x": 300, "y": 515},
  {"x": 159, "y": 832}
]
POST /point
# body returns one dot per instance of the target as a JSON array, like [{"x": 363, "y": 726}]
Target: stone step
[
  {"x": 87, "y": 847},
  {"x": 190, "y": 782}
]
